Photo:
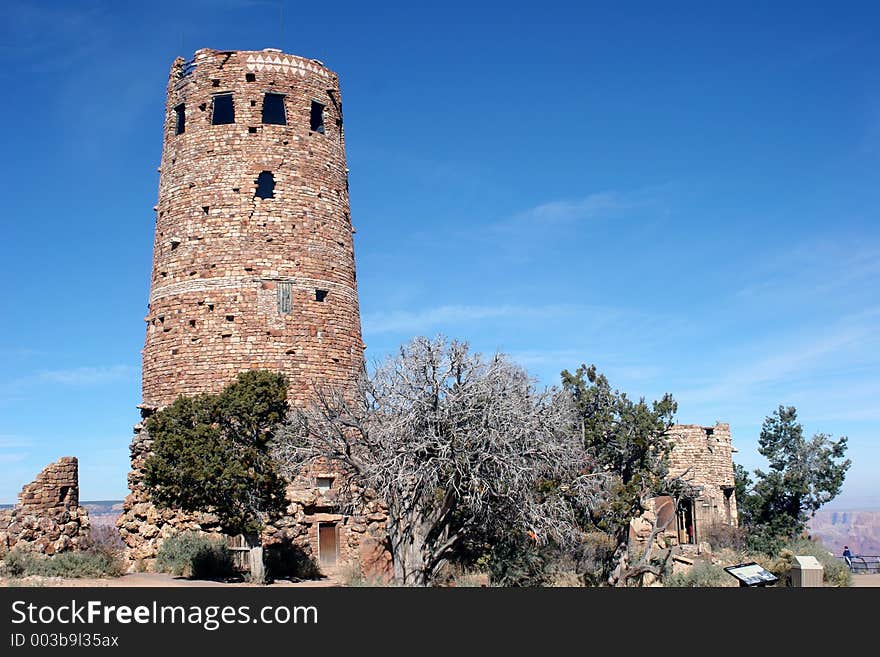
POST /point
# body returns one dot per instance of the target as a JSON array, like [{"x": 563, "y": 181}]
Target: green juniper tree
[
  {"x": 211, "y": 452},
  {"x": 627, "y": 441},
  {"x": 803, "y": 475}
]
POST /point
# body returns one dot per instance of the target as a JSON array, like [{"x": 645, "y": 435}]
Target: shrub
[
  {"x": 88, "y": 563},
  {"x": 835, "y": 571},
  {"x": 286, "y": 560},
  {"x": 701, "y": 574},
  {"x": 722, "y": 537},
  {"x": 190, "y": 554},
  {"x": 353, "y": 575},
  {"x": 103, "y": 538}
]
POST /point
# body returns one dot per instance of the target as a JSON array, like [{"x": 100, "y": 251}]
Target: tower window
[
  {"x": 320, "y": 295},
  {"x": 324, "y": 483},
  {"x": 285, "y": 298},
  {"x": 223, "y": 111},
  {"x": 265, "y": 185},
  {"x": 250, "y": 77},
  {"x": 180, "y": 123},
  {"x": 317, "y": 117},
  {"x": 273, "y": 109}
]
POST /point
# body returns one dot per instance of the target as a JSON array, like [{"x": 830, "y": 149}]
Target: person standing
[{"x": 847, "y": 556}]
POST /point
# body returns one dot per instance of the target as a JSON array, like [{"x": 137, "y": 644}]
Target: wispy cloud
[
  {"x": 590, "y": 207},
  {"x": 812, "y": 268},
  {"x": 413, "y": 321},
  {"x": 13, "y": 449},
  {"x": 13, "y": 442},
  {"x": 807, "y": 363},
  {"x": 597, "y": 206},
  {"x": 87, "y": 376},
  {"x": 20, "y": 352},
  {"x": 73, "y": 377}
]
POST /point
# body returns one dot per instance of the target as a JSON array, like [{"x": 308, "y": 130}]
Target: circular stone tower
[{"x": 253, "y": 260}]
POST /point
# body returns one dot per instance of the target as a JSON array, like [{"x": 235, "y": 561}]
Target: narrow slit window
[
  {"x": 317, "y": 117},
  {"x": 223, "y": 110},
  {"x": 320, "y": 295},
  {"x": 273, "y": 109},
  {"x": 180, "y": 119},
  {"x": 285, "y": 298},
  {"x": 265, "y": 185}
]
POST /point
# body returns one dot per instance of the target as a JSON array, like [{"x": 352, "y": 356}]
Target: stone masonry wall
[
  {"x": 703, "y": 456},
  {"x": 241, "y": 281},
  {"x": 47, "y": 518},
  {"x": 360, "y": 536},
  {"x": 223, "y": 256}
]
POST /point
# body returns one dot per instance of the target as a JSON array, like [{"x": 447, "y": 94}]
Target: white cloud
[
  {"x": 86, "y": 376},
  {"x": 12, "y": 442},
  {"x": 407, "y": 321}
]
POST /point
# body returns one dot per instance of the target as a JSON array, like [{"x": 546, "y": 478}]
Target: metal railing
[{"x": 863, "y": 564}]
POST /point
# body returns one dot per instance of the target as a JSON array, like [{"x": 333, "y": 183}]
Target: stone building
[
  {"x": 703, "y": 458},
  {"x": 253, "y": 264},
  {"x": 47, "y": 517}
]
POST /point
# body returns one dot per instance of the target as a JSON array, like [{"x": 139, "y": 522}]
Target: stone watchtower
[{"x": 253, "y": 259}]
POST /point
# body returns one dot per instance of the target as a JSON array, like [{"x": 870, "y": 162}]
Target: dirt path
[
  {"x": 866, "y": 580},
  {"x": 158, "y": 580}
]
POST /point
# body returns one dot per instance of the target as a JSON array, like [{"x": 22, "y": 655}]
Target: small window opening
[
  {"x": 206, "y": 209},
  {"x": 324, "y": 483},
  {"x": 230, "y": 318},
  {"x": 317, "y": 117},
  {"x": 265, "y": 185},
  {"x": 252, "y": 130},
  {"x": 285, "y": 297},
  {"x": 250, "y": 77},
  {"x": 223, "y": 111},
  {"x": 273, "y": 109},
  {"x": 320, "y": 295},
  {"x": 180, "y": 125},
  {"x": 215, "y": 83},
  {"x": 253, "y": 103}
]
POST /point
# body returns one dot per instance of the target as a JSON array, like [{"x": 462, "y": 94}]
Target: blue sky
[{"x": 682, "y": 193}]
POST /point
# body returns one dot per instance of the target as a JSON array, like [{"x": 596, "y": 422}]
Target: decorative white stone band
[
  {"x": 286, "y": 64},
  {"x": 237, "y": 282}
]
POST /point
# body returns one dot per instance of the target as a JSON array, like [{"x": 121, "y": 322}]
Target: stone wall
[
  {"x": 360, "y": 533},
  {"x": 223, "y": 256},
  {"x": 703, "y": 456},
  {"x": 47, "y": 517},
  {"x": 242, "y": 278}
]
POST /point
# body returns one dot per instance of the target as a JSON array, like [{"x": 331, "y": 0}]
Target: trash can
[{"x": 806, "y": 571}]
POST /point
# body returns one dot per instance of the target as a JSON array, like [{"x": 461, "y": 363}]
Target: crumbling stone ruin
[
  {"x": 253, "y": 268},
  {"x": 703, "y": 458},
  {"x": 47, "y": 517}
]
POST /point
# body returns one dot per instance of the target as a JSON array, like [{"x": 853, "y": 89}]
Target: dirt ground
[
  {"x": 155, "y": 580},
  {"x": 866, "y": 580}
]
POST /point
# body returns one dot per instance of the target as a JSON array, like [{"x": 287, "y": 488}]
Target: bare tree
[{"x": 452, "y": 443}]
